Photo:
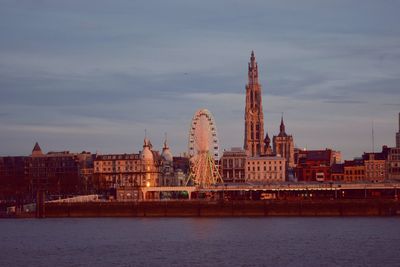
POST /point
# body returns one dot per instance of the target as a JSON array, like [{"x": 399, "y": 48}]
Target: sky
[{"x": 93, "y": 75}]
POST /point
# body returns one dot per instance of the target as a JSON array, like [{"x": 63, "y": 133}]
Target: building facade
[
  {"x": 181, "y": 169},
  {"x": 127, "y": 170},
  {"x": 393, "y": 163},
  {"x": 337, "y": 172},
  {"x": 58, "y": 173},
  {"x": 254, "y": 116},
  {"x": 354, "y": 170},
  {"x": 233, "y": 165},
  {"x": 375, "y": 167},
  {"x": 116, "y": 170},
  {"x": 315, "y": 165},
  {"x": 265, "y": 169},
  {"x": 13, "y": 180}
]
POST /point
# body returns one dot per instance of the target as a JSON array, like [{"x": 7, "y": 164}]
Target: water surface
[{"x": 200, "y": 241}]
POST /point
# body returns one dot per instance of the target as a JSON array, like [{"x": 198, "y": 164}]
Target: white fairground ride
[{"x": 203, "y": 150}]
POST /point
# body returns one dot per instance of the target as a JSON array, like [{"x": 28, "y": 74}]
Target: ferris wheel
[
  {"x": 203, "y": 134},
  {"x": 203, "y": 150}
]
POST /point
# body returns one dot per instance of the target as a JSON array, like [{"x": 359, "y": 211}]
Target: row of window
[
  {"x": 109, "y": 163},
  {"x": 376, "y": 166},
  {"x": 355, "y": 172},
  {"x": 118, "y": 169},
  {"x": 135, "y": 156},
  {"x": 279, "y": 162},
  {"x": 265, "y": 168},
  {"x": 265, "y": 177}
]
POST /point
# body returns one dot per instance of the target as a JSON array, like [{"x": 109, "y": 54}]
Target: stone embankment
[{"x": 267, "y": 208}]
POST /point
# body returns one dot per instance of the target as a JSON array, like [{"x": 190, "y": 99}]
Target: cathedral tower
[{"x": 254, "y": 117}]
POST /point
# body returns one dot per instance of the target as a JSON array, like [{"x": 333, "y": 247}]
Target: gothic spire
[
  {"x": 165, "y": 142},
  {"x": 282, "y": 131},
  {"x": 253, "y": 69},
  {"x": 267, "y": 140}
]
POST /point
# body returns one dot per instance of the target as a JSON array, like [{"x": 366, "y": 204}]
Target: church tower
[
  {"x": 284, "y": 145},
  {"x": 254, "y": 117}
]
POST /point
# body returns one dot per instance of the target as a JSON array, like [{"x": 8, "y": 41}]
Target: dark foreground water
[{"x": 200, "y": 242}]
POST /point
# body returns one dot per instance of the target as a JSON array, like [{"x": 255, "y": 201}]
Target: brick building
[
  {"x": 393, "y": 163},
  {"x": 375, "y": 166},
  {"x": 354, "y": 170},
  {"x": 337, "y": 172},
  {"x": 59, "y": 173},
  {"x": 12, "y": 177},
  {"x": 315, "y": 165}
]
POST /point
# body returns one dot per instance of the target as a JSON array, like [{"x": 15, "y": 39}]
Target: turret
[{"x": 37, "y": 151}]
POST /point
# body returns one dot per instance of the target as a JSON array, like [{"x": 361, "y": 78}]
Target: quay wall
[{"x": 224, "y": 209}]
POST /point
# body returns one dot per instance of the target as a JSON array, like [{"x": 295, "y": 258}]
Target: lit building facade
[
  {"x": 375, "y": 167},
  {"x": 354, "y": 170},
  {"x": 127, "y": 170},
  {"x": 114, "y": 170},
  {"x": 233, "y": 165},
  {"x": 265, "y": 169}
]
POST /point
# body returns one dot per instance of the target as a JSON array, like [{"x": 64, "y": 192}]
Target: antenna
[{"x": 373, "y": 138}]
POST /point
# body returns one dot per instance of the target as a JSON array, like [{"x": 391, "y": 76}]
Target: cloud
[{"x": 96, "y": 74}]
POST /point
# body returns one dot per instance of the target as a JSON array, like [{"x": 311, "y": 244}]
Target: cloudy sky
[{"x": 92, "y": 75}]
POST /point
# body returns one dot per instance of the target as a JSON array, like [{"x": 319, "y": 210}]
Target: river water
[{"x": 327, "y": 241}]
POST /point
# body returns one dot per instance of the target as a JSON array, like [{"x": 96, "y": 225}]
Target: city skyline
[{"x": 96, "y": 82}]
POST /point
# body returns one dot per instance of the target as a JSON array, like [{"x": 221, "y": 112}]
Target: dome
[
  {"x": 146, "y": 153},
  {"x": 166, "y": 154}
]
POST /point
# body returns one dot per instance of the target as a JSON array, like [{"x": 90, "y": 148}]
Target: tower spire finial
[
  {"x": 145, "y": 141},
  {"x": 253, "y": 69},
  {"x": 165, "y": 140},
  {"x": 282, "y": 126}
]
